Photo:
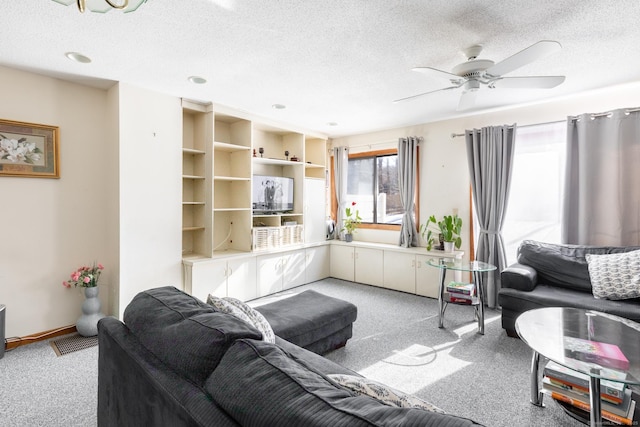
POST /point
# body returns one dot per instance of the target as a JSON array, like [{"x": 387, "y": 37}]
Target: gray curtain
[
  {"x": 407, "y": 171},
  {"x": 340, "y": 168},
  {"x": 602, "y": 186},
  {"x": 490, "y": 152}
]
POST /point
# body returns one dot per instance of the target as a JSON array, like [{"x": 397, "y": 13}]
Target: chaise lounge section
[{"x": 177, "y": 361}]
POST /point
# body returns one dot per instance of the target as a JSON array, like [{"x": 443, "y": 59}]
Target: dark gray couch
[
  {"x": 177, "y": 362},
  {"x": 551, "y": 275}
]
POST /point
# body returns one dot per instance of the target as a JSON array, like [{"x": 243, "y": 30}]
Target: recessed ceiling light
[
  {"x": 78, "y": 57},
  {"x": 332, "y": 124},
  {"x": 279, "y": 106},
  {"x": 197, "y": 80}
]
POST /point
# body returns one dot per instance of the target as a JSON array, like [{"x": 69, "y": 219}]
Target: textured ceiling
[{"x": 341, "y": 61}]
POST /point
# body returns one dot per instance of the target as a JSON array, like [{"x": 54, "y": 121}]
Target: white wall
[
  {"x": 50, "y": 227},
  {"x": 150, "y": 190},
  {"x": 444, "y": 174}
]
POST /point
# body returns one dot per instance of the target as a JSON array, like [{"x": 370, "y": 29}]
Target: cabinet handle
[{"x": 413, "y": 263}]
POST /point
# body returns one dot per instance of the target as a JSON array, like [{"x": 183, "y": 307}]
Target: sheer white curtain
[
  {"x": 490, "y": 153},
  {"x": 340, "y": 168},
  {"x": 602, "y": 186},
  {"x": 407, "y": 171}
]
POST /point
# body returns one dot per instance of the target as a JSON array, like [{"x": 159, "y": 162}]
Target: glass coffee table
[
  {"x": 475, "y": 267},
  {"x": 552, "y": 334}
]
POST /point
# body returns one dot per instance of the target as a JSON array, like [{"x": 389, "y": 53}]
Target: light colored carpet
[{"x": 396, "y": 341}]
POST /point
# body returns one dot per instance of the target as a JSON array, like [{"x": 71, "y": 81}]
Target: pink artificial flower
[
  {"x": 66, "y": 284},
  {"x": 100, "y": 267},
  {"x": 87, "y": 279}
]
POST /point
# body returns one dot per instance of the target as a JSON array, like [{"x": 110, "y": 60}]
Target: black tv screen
[{"x": 272, "y": 194}]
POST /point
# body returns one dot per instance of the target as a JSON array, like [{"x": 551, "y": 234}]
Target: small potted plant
[
  {"x": 351, "y": 221},
  {"x": 449, "y": 227}
]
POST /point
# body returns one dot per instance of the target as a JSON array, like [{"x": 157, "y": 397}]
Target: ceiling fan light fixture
[{"x": 104, "y": 6}]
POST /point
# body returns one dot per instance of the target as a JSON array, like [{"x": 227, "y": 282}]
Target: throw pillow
[
  {"x": 243, "y": 312},
  {"x": 615, "y": 276},
  {"x": 382, "y": 392},
  {"x": 256, "y": 318}
]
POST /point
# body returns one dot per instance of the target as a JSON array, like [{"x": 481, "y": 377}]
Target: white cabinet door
[
  {"x": 369, "y": 266},
  {"x": 241, "y": 279},
  {"x": 400, "y": 271},
  {"x": 315, "y": 226},
  {"x": 316, "y": 263},
  {"x": 269, "y": 274},
  {"x": 208, "y": 278},
  {"x": 342, "y": 262},
  {"x": 428, "y": 277},
  {"x": 293, "y": 264}
]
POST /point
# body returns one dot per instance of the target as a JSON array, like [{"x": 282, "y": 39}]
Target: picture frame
[{"x": 29, "y": 150}]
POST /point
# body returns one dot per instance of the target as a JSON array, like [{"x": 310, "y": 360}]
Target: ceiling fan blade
[
  {"x": 434, "y": 72},
  {"x": 467, "y": 100},
  {"x": 524, "y": 57},
  {"x": 425, "y": 93},
  {"x": 531, "y": 82}
]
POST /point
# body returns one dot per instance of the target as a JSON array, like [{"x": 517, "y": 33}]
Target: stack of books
[
  {"x": 571, "y": 387},
  {"x": 461, "y": 293}
]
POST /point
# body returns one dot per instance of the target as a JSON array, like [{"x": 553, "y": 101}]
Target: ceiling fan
[{"x": 475, "y": 73}]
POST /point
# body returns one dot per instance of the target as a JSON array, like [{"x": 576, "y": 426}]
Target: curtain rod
[
  {"x": 455, "y": 135},
  {"x": 395, "y": 141},
  {"x": 607, "y": 114}
]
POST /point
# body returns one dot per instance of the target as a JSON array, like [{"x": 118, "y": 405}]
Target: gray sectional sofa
[
  {"x": 175, "y": 361},
  {"x": 554, "y": 275}
]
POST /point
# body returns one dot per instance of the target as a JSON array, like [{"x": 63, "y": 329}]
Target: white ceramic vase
[{"x": 87, "y": 324}]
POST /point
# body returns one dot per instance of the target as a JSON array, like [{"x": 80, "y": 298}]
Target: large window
[
  {"x": 537, "y": 182},
  {"x": 372, "y": 183}
]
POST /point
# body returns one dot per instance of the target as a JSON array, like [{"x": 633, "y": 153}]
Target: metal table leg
[
  {"x": 480, "y": 306},
  {"x": 441, "y": 303},
  {"x": 594, "y": 400},
  {"x": 536, "y": 394}
]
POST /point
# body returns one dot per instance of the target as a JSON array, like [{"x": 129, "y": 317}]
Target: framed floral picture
[{"x": 28, "y": 150}]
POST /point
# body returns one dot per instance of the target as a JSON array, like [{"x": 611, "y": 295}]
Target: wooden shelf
[
  {"x": 269, "y": 161},
  {"x": 192, "y": 151},
  {"x": 192, "y": 228},
  {"x": 313, "y": 165},
  {"x": 230, "y": 178},
  {"x": 192, "y": 177},
  {"x": 225, "y": 146},
  {"x": 193, "y": 203},
  {"x": 231, "y": 209}
]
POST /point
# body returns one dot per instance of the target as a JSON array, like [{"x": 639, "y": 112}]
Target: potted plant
[
  {"x": 351, "y": 221},
  {"x": 449, "y": 227}
]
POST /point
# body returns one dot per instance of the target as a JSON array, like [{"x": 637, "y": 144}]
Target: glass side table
[
  {"x": 475, "y": 267},
  {"x": 550, "y": 332}
]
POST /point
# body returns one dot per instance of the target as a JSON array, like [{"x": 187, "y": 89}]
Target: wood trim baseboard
[{"x": 16, "y": 342}]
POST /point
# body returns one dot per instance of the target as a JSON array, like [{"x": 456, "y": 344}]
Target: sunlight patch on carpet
[
  {"x": 410, "y": 375},
  {"x": 73, "y": 343}
]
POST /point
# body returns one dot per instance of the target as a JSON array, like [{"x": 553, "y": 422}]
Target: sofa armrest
[{"x": 520, "y": 277}]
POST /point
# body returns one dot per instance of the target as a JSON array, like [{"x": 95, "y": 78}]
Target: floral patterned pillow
[
  {"x": 243, "y": 312},
  {"x": 382, "y": 392}
]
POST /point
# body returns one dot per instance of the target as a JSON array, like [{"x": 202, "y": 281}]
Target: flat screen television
[{"x": 272, "y": 194}]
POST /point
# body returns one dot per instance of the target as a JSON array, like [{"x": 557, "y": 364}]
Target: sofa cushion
[
  {"x": 258, "y": 384},
  {"x": 563, "y": 265},
  {"x": 184, "y": 332},
  {"x": 242, "y": 311},
  {"x": 615, "y": 276},
  {"x": 382, "y": 392}
]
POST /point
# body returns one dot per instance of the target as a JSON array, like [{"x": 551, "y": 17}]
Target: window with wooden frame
[{"x": 372, "y": 183}]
